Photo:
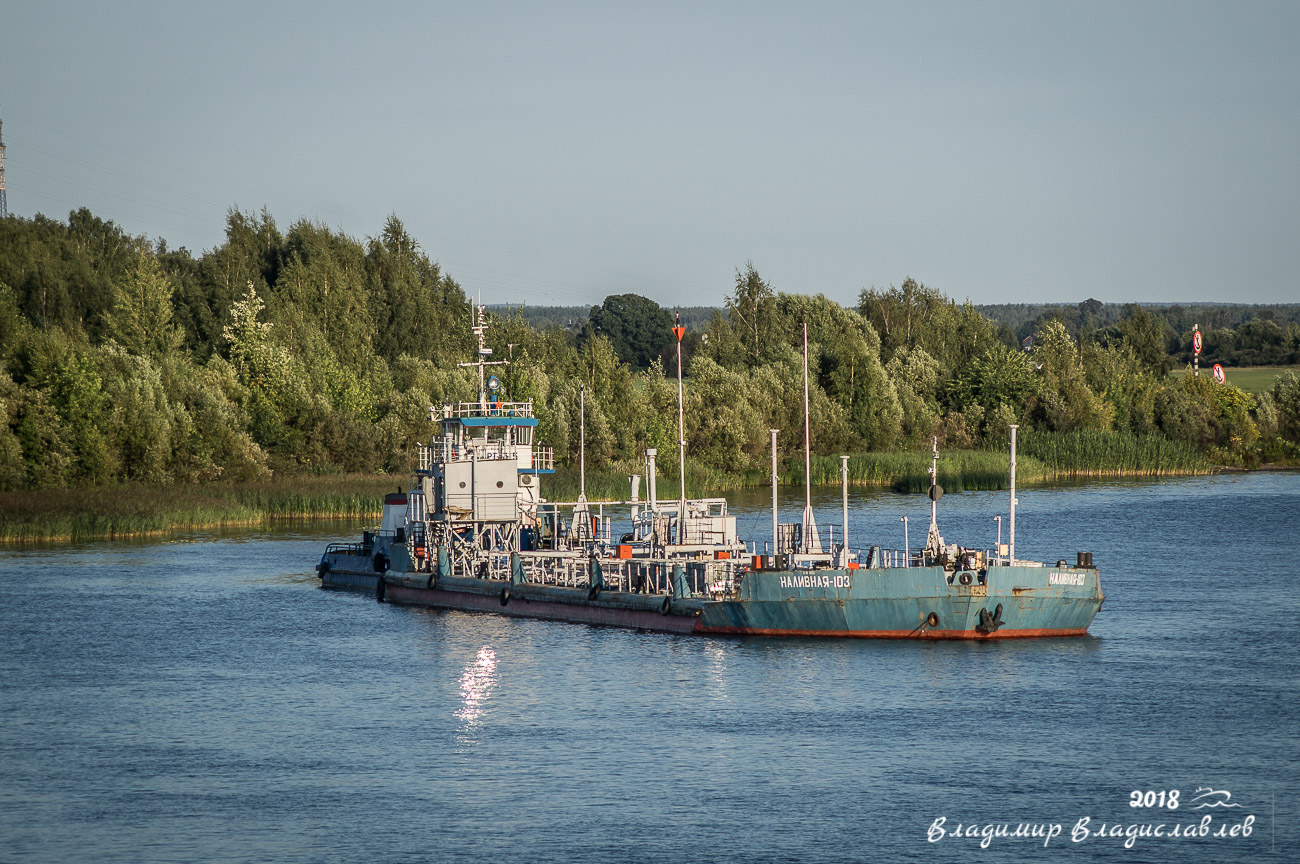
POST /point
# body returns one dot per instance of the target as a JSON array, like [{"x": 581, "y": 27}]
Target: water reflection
[
  {"x": 716, "y": 656},
  {"x": 476, "y": 684}
]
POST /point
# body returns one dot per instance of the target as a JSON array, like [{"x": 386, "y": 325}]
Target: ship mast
[
  {"x": 933, "y": 541},
  {"x": 480, "y": 330},
  {"x": 1011, "y": 541},
  {"x": 844, "y": 491},
  {"x": 811, "y": 543},
  {"x": 775, "y": 531},
  {"x": 934, "y": 482},
  {"x": 582, "y": 442},
  {"x": 679, "y": 331}
]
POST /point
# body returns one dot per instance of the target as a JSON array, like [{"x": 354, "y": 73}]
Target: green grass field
[{"x": 1252, "y": 379}]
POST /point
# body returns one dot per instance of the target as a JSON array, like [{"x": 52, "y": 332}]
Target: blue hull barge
[{"x": 473, "y": 533}]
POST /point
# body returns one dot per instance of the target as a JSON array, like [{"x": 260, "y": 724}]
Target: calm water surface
[{"x": 204, "y": 700}]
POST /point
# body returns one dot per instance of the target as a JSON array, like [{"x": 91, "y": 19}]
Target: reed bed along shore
[
  {"x": 1040, "y": 458},
  {"x": 1085, "y": 453},
  {"x": 123, "y": 512},
  {"x": 62, "y": 515}
]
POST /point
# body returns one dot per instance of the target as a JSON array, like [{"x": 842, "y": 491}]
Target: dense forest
[
  {"x": 304, "y": 350},
  {"x": 1234, "y": 334}
]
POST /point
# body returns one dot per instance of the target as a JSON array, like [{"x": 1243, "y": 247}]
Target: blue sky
[{"x": 555, "y": 153}]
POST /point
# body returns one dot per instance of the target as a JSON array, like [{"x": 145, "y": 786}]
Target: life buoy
[
  {"x": 964, "y": 579},
  {"x": 380, "y": 589},
  {"x": 666, "y": 606},
  {"x": 505, "y": 595}
]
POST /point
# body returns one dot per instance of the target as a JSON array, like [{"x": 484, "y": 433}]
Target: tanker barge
[{"x": 472, "y": 532}]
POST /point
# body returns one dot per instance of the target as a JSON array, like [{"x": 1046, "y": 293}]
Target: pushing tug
[{"x": 473, "y": 532}]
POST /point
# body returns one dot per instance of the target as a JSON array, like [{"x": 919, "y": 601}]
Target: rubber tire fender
[
  {"x": 380, "y": 562},
  {"x": 324, "y": 570},
  {"x": 381, "y": 588},
  {"x": 666, "y": 606},
  {"x": 593, "y": 592},
  {"x": 505, "y": 595}
]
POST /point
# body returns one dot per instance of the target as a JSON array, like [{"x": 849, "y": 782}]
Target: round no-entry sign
[
  {"x": 1196, "y": 341},
  {"x": 1218, "y": 373}
]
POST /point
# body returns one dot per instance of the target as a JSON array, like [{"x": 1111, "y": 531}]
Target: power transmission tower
[{"x": 4, "y": 204}]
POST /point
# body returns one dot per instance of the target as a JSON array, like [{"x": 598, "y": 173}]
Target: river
[{"x": 202, "y": 699}]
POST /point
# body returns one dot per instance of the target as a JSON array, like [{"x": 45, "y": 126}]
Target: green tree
[
  {"x": 251, "y": 255},
  {"x": 415, "y": 307},
  {"x": 209, "y": 436},
  {"x": 915, "y": 375},
  {"x": 141, "y": 318},
  {"x": 141, "y": 421},
  {"x": 264, "y": 368},
  {"x": 13, "y": 473},
  {"x": 1066, "y": 400},
  {"x": 752, "y": 309},
  {"x": 66, "y": 371},
  {"x": 917, "y": 316},
  {"x": 14, "y": 328},
  {"x": 638, "y": 328},
  {"x": 1001, "y": 381},
  {"x": 845, "y": 363},
  {"x": 1147, "y": 338},
  {"x": 260, "y": 362},
  {"x": 48, "y": 456}
]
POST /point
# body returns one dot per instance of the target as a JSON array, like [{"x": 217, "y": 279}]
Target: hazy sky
[{"x": 554, "y": 153}]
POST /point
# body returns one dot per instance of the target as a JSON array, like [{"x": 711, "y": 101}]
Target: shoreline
[{"x": 125, "y": 513}]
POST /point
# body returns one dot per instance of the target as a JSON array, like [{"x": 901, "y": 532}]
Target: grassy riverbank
[
  {"x": 118, "y": 512},
  {"x": 54, "y": 515}
]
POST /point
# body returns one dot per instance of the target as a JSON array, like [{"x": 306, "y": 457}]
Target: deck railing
[
  {"x": 492, "y": 409},
  {"x": 442, "y": 452}
]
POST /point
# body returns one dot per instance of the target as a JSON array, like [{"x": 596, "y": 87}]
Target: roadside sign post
[{"x": 1196, "y": 350}]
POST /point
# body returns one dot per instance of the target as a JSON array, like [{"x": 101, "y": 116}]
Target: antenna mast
[{"x": 480, "y": 329}]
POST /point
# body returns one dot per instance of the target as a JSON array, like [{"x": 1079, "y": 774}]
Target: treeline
[
  {"x": 575, "y": 318},
  {"x": 1234, "y": 334},
  {"x": 304, "y": 350}
]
